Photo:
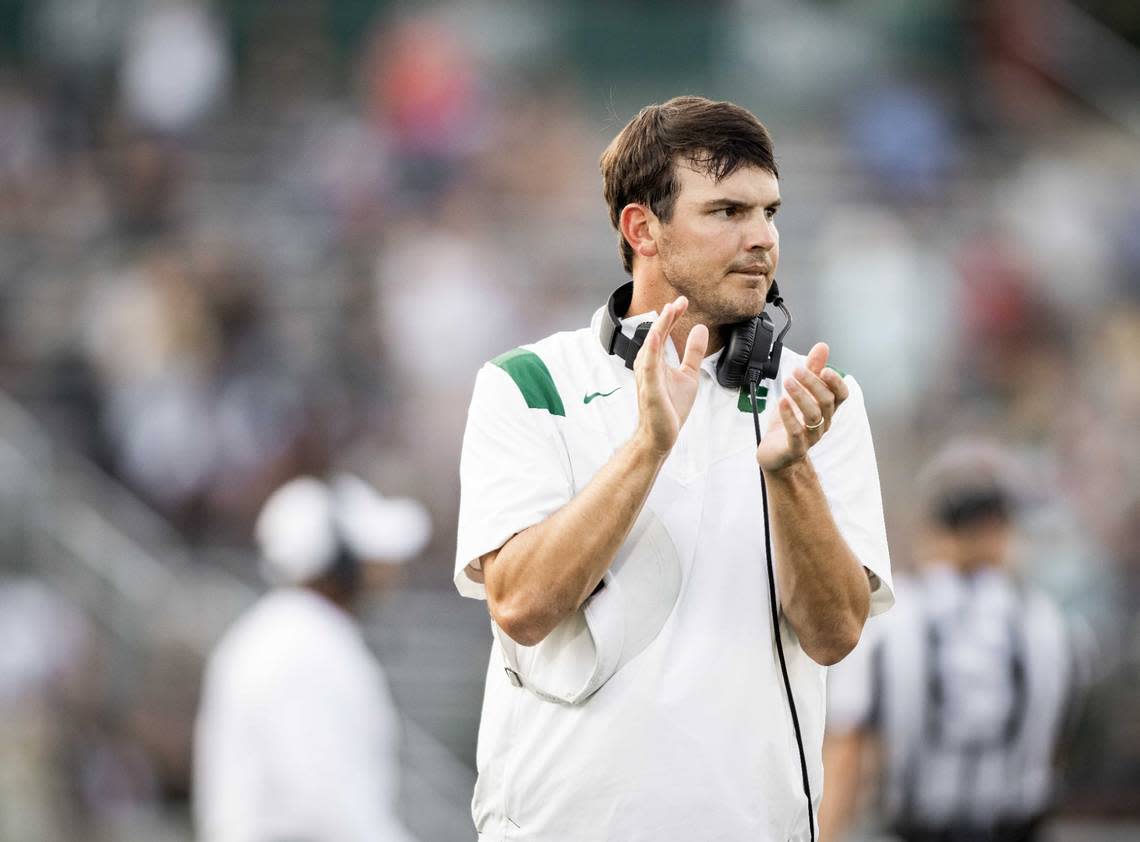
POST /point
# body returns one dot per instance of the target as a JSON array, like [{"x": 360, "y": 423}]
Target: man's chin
[{"x": 744, "y": 305}]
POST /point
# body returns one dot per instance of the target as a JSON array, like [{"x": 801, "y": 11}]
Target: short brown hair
[{"x": 638, "y": 165}]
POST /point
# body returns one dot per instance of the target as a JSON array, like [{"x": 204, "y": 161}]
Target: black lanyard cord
[{"x": 776, "y": 616}]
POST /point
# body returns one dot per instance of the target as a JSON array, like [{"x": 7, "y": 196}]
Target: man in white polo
[{"x": 613, "y": 519}]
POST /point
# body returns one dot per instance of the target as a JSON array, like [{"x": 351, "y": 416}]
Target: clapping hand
[
  {"x": 665, "y": 395},
  {"x": 811, "y": 396}
]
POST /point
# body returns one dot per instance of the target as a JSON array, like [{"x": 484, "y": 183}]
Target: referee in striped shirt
[{"x": 957, "y": 697}]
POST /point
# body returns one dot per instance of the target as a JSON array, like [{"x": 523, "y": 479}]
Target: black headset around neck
[{"x": 749, "y": 353}]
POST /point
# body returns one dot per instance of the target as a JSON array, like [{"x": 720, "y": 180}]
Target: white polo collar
[{"x": 629, "y": 325}]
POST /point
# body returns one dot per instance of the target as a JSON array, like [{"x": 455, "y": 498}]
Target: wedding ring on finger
[{"x": 816, "y": 425}]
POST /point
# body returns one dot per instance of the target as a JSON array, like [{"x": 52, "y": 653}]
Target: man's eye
[
  {"x": 728, "y": 213},
  {"x": 770, "y": 213}
]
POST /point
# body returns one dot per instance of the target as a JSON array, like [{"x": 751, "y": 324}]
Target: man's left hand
[{"x": 811, "y": 396}]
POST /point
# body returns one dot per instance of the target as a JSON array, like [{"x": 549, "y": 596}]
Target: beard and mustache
[{"x": 716, "y": 301}]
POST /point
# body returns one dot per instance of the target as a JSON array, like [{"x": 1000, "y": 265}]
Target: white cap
[{"x": 304, "y": 523}]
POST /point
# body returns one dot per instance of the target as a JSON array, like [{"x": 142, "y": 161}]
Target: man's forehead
[{"x": 747, "y": 183}]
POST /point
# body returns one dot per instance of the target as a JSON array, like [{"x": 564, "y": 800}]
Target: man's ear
[{"x": 640, "y": 227}]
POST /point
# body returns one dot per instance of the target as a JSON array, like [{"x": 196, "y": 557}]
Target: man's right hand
[
  {"x": 545, "y": 572},
  {"x": 665, "y": 395}
]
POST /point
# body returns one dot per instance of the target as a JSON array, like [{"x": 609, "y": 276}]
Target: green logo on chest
[
  {"x": 590, "y": 397},
  {"x": 744, "y": 402}
]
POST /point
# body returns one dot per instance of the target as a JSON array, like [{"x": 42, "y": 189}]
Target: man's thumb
[{"x": 817, "y": 357}]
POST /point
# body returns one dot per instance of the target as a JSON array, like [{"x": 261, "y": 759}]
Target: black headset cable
[{"x": 753, "y": 378}]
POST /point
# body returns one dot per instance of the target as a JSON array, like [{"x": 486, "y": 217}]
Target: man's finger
[
  {"x": 652, "y": 344},
  {"x": 835, "y": 383},
  {"x": 819, "y": 390},
  {"x": 669, "y": 315},
  {"x": 695, "y": 347},
  {"x": 793, "y": 428},
  {"x": 644, "y": 353},
  {"x": 817, "y": 357},
  {"x": 809, "y": 409}
]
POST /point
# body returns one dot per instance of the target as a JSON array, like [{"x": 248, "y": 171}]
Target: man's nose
[{"x": 762, "y": 236}]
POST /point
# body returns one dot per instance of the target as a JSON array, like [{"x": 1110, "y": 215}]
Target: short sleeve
[
  {"x": 513, "y": 471},
  {"x": 845, "y": 462}
]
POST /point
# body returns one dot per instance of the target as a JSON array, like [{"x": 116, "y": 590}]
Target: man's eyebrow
[
  {"x": 724, "y": 202},
  {"x": 727, "y": 203}
]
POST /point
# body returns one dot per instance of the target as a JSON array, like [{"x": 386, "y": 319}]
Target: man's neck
[
  {"x": 651, "y": 293},
  {"x": 342, "y": 598}
]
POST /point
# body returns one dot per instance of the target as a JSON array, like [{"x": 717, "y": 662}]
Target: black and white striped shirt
[{"x": 966, "y": 683}]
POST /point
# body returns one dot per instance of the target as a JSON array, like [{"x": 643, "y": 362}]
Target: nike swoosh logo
[{"x": 589, "y": 398}]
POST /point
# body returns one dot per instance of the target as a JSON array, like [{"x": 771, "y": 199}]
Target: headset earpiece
[
  {"x": 749, "y": 352},
  {"x": 739, "y": 340},
  {"x": 613, "y": 340}
]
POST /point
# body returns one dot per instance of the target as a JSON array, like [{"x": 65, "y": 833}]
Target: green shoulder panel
[{"x": 533, "y": 378}]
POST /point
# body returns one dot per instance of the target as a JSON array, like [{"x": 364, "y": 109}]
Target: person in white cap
[{"x": 296, "y": 737}]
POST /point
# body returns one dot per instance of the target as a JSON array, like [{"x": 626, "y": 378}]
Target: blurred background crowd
[{"x": 243, "y": 239}]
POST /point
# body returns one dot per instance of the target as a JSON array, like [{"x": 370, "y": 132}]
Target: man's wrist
[
  {"x": 644, "y": 447},
  {"x": 801, "y": 470}
]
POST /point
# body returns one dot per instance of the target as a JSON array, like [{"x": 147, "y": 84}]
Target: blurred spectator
[
  {"x": 175, "y": 65},
  {"x": 202, "y": 416},
  {"x": 342, "y": 168},
  {"x": 46, "y": 651},
  {"x": 46, "y": 641},
  {"x": 904, "y": 138},
  {"x": 1056, "y": 205},
  {"x": 77, "y": 46},
  {"x": 24, "y": 158},
  {"x": 144, "y": 177},
  {"x": 445, "y": 306},
  {"x": 960, "y": 695},
  {"x": 82, "y": 36},
  {"x": 1015, "y": 344},
  {"x": 155, "y": 346},
  {"x": 870, "y": 305},
  {"x": 422, "y": 83},
  {"x": 297, "y": 733}
]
